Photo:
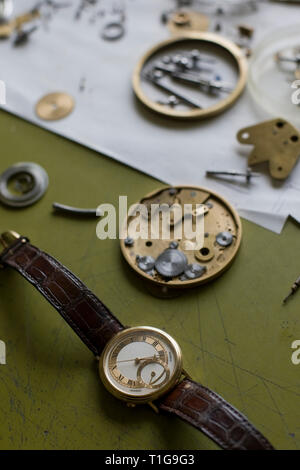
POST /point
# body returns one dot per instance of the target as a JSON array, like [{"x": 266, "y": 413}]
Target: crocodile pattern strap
[
  {"x": 85, "y": 313},
  {"x": 211, "y": 414}
]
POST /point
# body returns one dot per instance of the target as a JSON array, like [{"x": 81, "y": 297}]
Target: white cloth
[{"x": 108, "y": 118}]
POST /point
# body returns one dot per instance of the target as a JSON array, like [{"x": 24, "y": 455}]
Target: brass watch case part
[
  {"x": 54, "y": 106},
  {"x": 207, "y": 251},
  {"x": 8, "y": 239},
  {"x": 276, "y": 142},
  {"x": 206, "y": 37},
  {"x": 221, "y": 217},
  {"x": 7, "y": 29},
  {"x": 187, "y": 21},
  {"x": 157, "y": 393}
]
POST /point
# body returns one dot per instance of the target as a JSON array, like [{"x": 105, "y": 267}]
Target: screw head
[
  {"x": 224, "y": 238},
  {"x": 146, "y": 263},
  {"x": 194, "y": 271},
  {"x": 128, "y": 241},
  {"x": 173, "y": 245}
]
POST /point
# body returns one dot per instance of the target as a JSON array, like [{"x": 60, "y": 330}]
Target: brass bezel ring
[{"x": 217, "y": 108}]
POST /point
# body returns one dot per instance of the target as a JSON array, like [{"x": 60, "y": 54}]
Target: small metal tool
[
  {"x": 172, "y": 67},
  {"x": 294, "y": 288},
  {"x": 248, "y": 174},
  {"x": 156, "y": 80},
  {"x": 196, "y": 80},
  {"x": 23, "y": 35},
  {"x": 74, "y": 210},
  {"x": 196, "y": 56},
  {"x": 281, "y": 58}
]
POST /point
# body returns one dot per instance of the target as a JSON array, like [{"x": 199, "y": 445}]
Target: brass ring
[{"x": 217, "y": 108}]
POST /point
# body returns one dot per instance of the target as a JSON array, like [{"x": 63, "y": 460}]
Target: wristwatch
[{"x": 139, "y": 365}]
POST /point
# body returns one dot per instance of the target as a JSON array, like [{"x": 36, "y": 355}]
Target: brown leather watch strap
[
  {"x": 85, "y": 313},
  {"x": 211, "y": 414}
]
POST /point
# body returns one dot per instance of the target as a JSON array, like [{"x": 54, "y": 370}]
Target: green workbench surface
[{"x": 235, "y": 334}]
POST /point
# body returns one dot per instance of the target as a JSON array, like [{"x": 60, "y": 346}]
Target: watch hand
[
  {"x": 157, "y": 378},
  {"x": 152, "y": 377},
  {"x": 138, "y": 359}
]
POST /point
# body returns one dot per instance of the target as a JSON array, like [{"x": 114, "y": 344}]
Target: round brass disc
[
  {"x": 54, "y": 106},
  {"x": 206, "y": 39},
  {"x": 202, "y": 265}
]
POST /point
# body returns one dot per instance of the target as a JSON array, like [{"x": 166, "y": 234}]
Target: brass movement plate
[
  {"x": 211, "y": 260},
  {"x": 54, "y": 106},
  {"x": 201, "y": 41},
  {"x": 276, "y": 142}
]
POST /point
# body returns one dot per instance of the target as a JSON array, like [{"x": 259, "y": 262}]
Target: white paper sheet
[{"x": 109, "y": 119}]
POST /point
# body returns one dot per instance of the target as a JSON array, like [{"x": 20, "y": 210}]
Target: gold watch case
[{"x": 124, "y": 338}]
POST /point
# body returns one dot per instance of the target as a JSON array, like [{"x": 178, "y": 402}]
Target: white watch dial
[{"x": 140, "y": 362}]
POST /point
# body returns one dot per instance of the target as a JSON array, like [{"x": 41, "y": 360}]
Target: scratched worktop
[{"x": 235, "y": 334}]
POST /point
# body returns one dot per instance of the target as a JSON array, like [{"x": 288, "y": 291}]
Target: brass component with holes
[
  {"x": 54, "y": 106},
  {"x": 218, "y": 217},
  {"x": 7, "y": 29},
  {"x": 7, "y": 239},
  {"x": 184, "y": 21},
  {"x": 197, "y": 40},
  {"x": 207, "y": 252},
  {"x": 276, "y": 142}
]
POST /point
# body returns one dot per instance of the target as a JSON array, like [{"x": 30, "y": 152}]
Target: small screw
[
  {"x": 166, "y": 59},
  {"x": 128, "y": 241},
  {"x": 173, "y": 245}
]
